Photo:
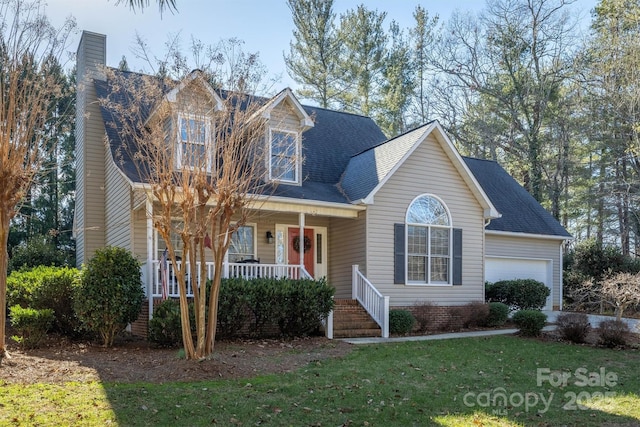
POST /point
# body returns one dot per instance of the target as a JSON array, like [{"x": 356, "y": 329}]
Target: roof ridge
[{"x": 395, "y": 137}]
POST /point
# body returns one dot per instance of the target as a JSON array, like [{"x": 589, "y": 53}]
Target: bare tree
[
  {"x": 163, "y": 5},
  {"x": 27, "y": 91},
  {"x": 210, "y": 180},
  {"x": 621, "y": 291}
]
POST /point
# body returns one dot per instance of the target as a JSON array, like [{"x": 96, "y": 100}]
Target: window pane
[
  {"x": 427, "y": 210},
  {"x": 417, "y": 240},
  {"x": 417, "y": 268},
  {"x": 282, "y": 168},
  {"x": 242, "y": 244},
  {"x": 193, "y": 135},
  {"x": 283, "y": 155},
  {"x": 439, "y": 269},
  {"x": 439, "y": 241},
  {"x": 193, "y": 155}
]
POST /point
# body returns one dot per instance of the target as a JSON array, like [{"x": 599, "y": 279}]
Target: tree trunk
[{"x": 4, "y": 237}]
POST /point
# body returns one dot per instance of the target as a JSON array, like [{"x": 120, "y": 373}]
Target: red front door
[{"x": 296, "y": 246}]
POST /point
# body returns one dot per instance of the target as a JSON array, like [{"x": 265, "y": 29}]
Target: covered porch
[{"x": 283, "y": 238}]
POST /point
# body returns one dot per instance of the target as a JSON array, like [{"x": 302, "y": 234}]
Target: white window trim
[
  {"x": 297, "y": 156},
  {"x": 208, "y": 143},
  {"x": 449, "y": 227}
]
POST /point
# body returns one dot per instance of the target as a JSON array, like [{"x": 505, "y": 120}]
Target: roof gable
[
  {"x": 368, "y": 171},
  {"x": 286, "y": 95}
]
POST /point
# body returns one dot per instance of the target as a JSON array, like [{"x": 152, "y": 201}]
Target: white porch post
[
  {"x": 354, "y": 281},
  {"x": 301, "y": 237},
  {"x": 150, "y": 252}
]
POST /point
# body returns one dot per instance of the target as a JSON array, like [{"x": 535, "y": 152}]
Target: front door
[{"x": 295, "y": 247}]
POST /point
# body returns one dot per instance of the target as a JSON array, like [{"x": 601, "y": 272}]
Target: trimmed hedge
[
  {"x": 165, "y": 325},
  {"x": 46, "y": 288},
  {"x": 258, "y": 307},
  {"x": 498, "y": 314},
  {"x": 401, "y": 322},
  {"x": 519, "y": 294},
  {"x": 530, "y": 322},
  {"x": 32, "y": 325}
]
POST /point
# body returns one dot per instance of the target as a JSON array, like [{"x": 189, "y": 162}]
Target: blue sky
[{"x": 264, "y": 25}]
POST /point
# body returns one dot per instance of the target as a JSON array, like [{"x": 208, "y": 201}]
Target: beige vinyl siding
[
  {"x": 427, "y": 171},
  {"x": 139, "y": 238},
  {"x": 346, "y": 247},
  {"x": 118, "y": 214},
  {"x": 90, "y": 167},
  {"x": 284, "y": 117},
  {"x": 532, "y": 248}
]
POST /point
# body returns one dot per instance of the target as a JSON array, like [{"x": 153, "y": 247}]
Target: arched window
[{"x": 428, "y": 226}]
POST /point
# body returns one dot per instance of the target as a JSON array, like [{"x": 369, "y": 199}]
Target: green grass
[{"x": 448, "y": 383}]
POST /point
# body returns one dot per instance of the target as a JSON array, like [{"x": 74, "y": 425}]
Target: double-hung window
[
  {"x": 242, "y": 245},
  {"x": 284, "y": 155},
  {"x": 428, "y": 242},
  {"x": 194, "y": 142}
]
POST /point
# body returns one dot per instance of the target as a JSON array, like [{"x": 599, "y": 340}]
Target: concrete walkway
[{"x": 634, "y": 325}]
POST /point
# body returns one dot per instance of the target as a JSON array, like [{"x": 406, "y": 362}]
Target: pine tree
[{"x": 313, "y": 57}]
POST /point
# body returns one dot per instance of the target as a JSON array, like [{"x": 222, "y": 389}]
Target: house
[{"x": 387, "y": 222}]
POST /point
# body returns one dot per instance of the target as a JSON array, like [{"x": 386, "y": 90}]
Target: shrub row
[
  {"x": 257, "y": 307},
  {"x": 46, "y": 288},
  {"x": 430, "y": 316},
  {"x": 518, "y": 294},
  {"x": 102, "y": 298}
]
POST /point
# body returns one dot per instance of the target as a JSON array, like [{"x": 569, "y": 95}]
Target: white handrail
[{"x": 376, "y": 304}]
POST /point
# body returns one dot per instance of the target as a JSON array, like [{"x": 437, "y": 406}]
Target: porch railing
[
  {"x": 249, "y": 271},
  {"x": 376, "y": 304}
]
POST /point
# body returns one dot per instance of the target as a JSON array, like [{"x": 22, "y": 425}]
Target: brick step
[
  {"x": 351, "y": 315},
  {"x": 354, "y": 333},
  {"x": 351, "y": 320},
  {"x": 364, "y": 324}
]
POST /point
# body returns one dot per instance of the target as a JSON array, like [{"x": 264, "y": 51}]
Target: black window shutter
[
  {"x": 457, "y": 256},
  {"x": 398, "y": 254}
]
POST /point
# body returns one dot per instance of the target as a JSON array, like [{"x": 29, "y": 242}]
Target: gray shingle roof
[
  {"x": 368, "y": 168},
  {"x": 346, "y": 156},
  {"x": 521, "y": 213},
  {"x": 326, "y": 148}
]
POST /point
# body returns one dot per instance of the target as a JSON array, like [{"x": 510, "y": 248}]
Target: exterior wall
[
  {"x": 535, "y": 248},
  {"x": 427, "y": 171},
  {"x": 283, "y": 117},
  {"x": 139, "y": 231},
  {"x": 118, "y": 214},
  {"x": 347, "y": 246},
  {"x": 90, "y": 166}
]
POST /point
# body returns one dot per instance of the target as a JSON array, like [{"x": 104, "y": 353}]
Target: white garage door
[{"x": 519, "y": 268}]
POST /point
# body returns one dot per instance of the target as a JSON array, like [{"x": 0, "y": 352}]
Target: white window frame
[
  {"x": 208, "y": 143},
  {"x": 429, "y": 256},
  {"x": 296, "y": 160},
  {"x": 255, "y": 241}
]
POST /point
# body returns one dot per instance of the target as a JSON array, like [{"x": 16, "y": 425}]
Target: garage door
[{"x": 519, "y": 268}]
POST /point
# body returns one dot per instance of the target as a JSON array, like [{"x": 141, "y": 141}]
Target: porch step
[{"x": 351, "y": 320}]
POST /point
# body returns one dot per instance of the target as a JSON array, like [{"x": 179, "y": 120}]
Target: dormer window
[
  {"x": 194, "y": 142},
  {"x": 284, "y": 155}
]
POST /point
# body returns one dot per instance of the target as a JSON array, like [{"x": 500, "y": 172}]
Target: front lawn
[{"x": 500, "y": 380}]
